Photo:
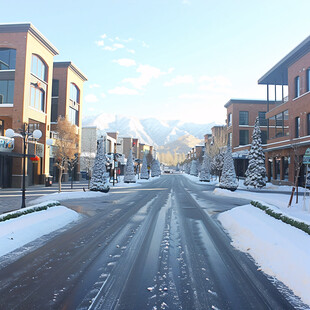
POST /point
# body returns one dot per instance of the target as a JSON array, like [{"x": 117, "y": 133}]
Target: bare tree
[
  {"x": 298, "y": 158},
  {"x": 66, "y": 146}
]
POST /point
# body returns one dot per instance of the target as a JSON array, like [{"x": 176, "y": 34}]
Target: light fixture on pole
[{"x": 25, "y": 135}]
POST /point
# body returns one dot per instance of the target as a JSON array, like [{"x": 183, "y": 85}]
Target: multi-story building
[
  {"x": 67, "y": 101},
  {"x": 33, "y": 92},
  {"x": 288, "y": 120},
  {"x": 26, "y": 74},
  {"x": 241, "y": 116}
]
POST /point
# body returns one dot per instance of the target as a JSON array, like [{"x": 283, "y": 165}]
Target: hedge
[
  {"x": 20, "y": 213},
  {"x": 300, "y": 225}
]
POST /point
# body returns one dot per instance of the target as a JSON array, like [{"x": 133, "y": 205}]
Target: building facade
[
  {"x": 26, "y": 74},
  {"x": 289, "y": 120},
  {"x": 33, "y": 92},
  {"x": 241, "y": 116}
]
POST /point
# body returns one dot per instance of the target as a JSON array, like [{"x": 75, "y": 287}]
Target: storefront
[{"x": 6, "y": 147}]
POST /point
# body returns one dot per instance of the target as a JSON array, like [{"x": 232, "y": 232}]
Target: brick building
[
  {"x": 288, "y": 121},
  {"x": 27, "y": 81},
  {"x": 241, "y": 115}
]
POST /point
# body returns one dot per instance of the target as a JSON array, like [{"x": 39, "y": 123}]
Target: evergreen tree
[
  {"x": 205, "y": 169},
  {"x": 194, "y": 168},
  {"x": 256, "y": 172},
  {"x": 187, "y": 168},
  {"x": 228, "y": 179},
  {"x": 155, "y": 168},
  {"x": 129, "y": 174},
  {"x": 97, "y": 182},
  {"x": 144, "y": 171}
]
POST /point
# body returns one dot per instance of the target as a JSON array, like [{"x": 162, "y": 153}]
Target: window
[
  {"x": 33, "y": 126},
  {"x": 308, "y": 124},
  {"x": 308, "y": 80},
  {"x": 297, "y": 127},
  {"x": 262, "y": 118},
  {"x": 38, "y": 68},
  {"x": 54, "y": 107},
  {"x": 6, "y": 91},
  {"x": 243, "y": 137},
  {"x": 229, "y": 121},
  {"x": 74, "y": 93},
  {"x": 37, "y": 97},
  {"x": 264, "y": 136},
  {"x": 230, "y": 139},
  {"x": 7, "y": 59},
  {"x": 55, "y": 88},
  {"x": 73, "y": 116},
  {"x": 297, "y": 87},
  {"x": 1, "y": 127},
  {"x": 243, "y": 118}
]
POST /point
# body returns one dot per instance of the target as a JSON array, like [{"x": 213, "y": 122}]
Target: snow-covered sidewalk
[
  {"x": 17, "y": 232},
  {"x": 279, "y": 249}
]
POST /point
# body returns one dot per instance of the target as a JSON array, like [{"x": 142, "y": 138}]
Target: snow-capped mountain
[{"x": 150, "y": 131}]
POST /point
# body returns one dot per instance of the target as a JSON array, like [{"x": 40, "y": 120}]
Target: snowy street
[{"x": 158, "y": 245}]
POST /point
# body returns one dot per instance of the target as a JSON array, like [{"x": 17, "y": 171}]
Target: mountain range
[{"x": 150, "y": 130}]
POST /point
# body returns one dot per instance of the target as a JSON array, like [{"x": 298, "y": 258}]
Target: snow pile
[
  {"x": 67, "y": 195},
  {"x": 17, "y": 232},
  {"x": 280, "y": 249}
]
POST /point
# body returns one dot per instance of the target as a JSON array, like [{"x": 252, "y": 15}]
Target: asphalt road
[{"x": 157, "y": 246}]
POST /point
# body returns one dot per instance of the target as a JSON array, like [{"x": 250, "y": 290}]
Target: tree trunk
[{"x": 59, "y": 180}]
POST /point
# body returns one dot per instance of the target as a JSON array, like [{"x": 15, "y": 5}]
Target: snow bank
[
  {"x": 280, "y": 249},
  {"x": 67, "y": 195},
  {"x": 17, "y": 232},
  {"x": 278, "y": 202}
]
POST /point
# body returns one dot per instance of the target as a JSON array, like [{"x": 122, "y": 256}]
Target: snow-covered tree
[
  {"x": 98, "y": 181},
  {"x": 129, "y": 174},
  {"x": 188, "y": 167},
  {"x": 205, "y": 169},
  {"x": 217, "y": 163},
  {"x": 144, "y": 171},
  {"x": 228, "y": 179},
  {"x": 155, "y": 168},
  {"x": 194, "y": 168},
  {"x": 256, "y": 172}
]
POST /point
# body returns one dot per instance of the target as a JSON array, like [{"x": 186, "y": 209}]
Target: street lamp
[{"x": 25, "y": 135}]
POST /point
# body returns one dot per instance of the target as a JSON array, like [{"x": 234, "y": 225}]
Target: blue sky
[{"x": 169, "y": 59}]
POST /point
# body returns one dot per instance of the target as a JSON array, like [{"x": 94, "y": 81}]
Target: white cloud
[
  {"x": 103, "y": 36},
  {"x": 131, "y": 51},
  {"x": 180, "y": 79},
  {"x": 147, "y": 73},
  {"x": 91, "y": 98},
  {"x": 103, "y": 95},
  {"x": 118, "y": 45},
  {"x": 94, "y": 86},
  {"x": 123, "y": 91},
  {"x": 109, "y": 48},
  {"x": 186, "y": 2},
  {"x": 99, "y": 43},
  {"x": 125, "y": 62},
  {"x": 145, "y": 45}
]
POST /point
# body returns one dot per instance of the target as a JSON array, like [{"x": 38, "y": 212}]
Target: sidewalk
[{"x": 11, "y": 198}]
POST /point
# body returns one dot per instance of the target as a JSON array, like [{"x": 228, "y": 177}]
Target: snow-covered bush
[
  {"x": 256, "y": 172},
  {"x": 129, "y": 173},
  {"x": 144, "y": 171},
  {"x": 98, "y": 181},
  {"x": 205, "y": 169},
  {"x": 155, "y": 168},
  {"x": 228, "y": 178},
  {"x": 194, "y": 168}
]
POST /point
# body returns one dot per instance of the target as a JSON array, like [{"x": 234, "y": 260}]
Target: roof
[
  {"x": 278, "y": 74},
  {"x": 245, "y": 101},
  {"x": 69, "y": 64},
  {"x": 28, "y": 27}
]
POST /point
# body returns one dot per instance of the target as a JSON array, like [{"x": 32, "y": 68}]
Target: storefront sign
[
  {"x": 306, "y": 158},
  {"x": 6, "y": 144}
]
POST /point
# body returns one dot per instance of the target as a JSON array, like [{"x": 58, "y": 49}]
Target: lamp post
[{"x": 24, "y": 134}]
